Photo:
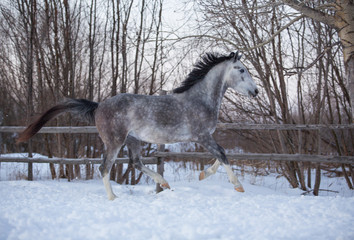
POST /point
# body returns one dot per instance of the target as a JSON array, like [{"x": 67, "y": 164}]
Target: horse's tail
[{"x": 82, "y": 107}]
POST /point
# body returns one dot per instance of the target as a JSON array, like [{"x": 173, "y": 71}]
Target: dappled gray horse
[{"x": 189, "y": 114}]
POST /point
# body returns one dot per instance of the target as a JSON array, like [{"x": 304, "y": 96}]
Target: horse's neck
[{"x": 210, "y": 90}]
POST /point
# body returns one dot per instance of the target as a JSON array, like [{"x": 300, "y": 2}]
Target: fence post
[
  {"x": 30, "y": 164},
  {"x": 316, "y": 188},
  {"x": 300, "y": 141}
]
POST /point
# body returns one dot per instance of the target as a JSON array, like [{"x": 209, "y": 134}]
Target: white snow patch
[
  {"x": 210, "y": 209},
  {"x": 17, "y": 171}
]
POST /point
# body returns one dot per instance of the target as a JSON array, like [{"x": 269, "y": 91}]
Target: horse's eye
[{"x": 242, "y": 70}]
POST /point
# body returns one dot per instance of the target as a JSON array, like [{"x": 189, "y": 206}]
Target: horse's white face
[{"x": 238, "y": 78}]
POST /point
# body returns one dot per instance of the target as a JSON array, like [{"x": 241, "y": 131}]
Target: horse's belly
[{"x": 161, "y": 136}]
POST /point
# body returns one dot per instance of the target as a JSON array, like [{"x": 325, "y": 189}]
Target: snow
[
  {"x": 209, "y": 209},
  {"x": 17, "y": 171}
]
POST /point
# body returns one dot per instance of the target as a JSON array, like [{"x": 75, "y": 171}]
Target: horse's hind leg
[
  {"x": 210, "y": 171},
  {"x": 232, "y": 178},
  {"x": 209, "y": 143},
  {"x": 105, "y": 169},
  {"x": 134, "y": 147}
]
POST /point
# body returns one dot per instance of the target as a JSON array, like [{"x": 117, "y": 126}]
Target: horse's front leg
[
  {"x": 209, "y": 143},
  {"x": 210, "y": 171},
  {"x": 134, "y": 147}
]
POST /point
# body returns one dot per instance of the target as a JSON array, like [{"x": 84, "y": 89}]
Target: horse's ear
[
  {"x": 239, "y": 56},
  {"x": 236, "y": 56}
]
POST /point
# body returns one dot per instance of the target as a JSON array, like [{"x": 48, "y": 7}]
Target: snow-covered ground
[{"x": 210, "y": 209}]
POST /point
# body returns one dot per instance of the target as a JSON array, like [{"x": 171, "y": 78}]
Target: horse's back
[{"x": 157, "y": 119}]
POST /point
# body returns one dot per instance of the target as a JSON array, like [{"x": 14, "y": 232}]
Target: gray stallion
[{"x": 189, "y": 114}]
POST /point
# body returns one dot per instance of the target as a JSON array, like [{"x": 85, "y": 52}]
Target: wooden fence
[
  {"x": 160, "y": 155},
  {"x": 226, "y": 126},
  {"x": 203, "y": 155}
]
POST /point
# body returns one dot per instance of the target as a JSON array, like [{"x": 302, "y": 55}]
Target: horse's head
[{"x": 238, "y": 77}]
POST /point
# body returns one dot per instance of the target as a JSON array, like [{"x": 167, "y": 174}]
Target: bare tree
[
  {"x": 79, "y": 49},
  {"x": 339, "y": 16}
]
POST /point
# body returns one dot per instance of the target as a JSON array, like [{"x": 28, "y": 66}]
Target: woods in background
[{"x": 95, "y": 49}]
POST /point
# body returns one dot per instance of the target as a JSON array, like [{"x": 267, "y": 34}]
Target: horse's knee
[
  {"x": 102, "y": 169},
  {"x": 223, "y": 158},
  {"x": 105, "y": 167}
]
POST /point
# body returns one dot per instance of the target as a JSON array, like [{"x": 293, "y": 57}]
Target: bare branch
[
  {"x": 311, "y": 12},
  {"x": 237, "y": 46},
  {"x": 275, "y": 34},
  {"x": 314, "y": 61}
]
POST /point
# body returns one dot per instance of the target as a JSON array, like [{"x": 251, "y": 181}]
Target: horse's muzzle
[{"x": 253, "y": 93}]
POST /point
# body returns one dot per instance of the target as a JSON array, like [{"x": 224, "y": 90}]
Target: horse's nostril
[{"x": 256, "y": 91}]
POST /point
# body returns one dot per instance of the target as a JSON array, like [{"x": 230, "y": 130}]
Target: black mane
[{"x": 201, "y": 68}]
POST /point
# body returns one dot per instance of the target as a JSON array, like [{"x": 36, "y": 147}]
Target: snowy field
[{"x": 210, "y": 209}]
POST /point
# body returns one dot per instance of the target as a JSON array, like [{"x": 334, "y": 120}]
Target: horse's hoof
[
  {"x": 112, "y": 197},
  {"x": 239, "y": 189},
  {"x": 165, "y": 185},
  {"x": 201, "y": 175}
]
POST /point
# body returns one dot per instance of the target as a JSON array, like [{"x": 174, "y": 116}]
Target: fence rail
[
  {"x": 243, "y": 126},
  {"x": 80, "y": 129},
  {"x": 193, "y": 155},
  {"x": 220, "y": 126},
  {"x": 74, "y": 161},
  {"x": 262, "y": 157}
]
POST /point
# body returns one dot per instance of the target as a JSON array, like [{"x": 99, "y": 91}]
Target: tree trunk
[
  {"x": 343, "y": 22},
  {"x": 49, "y": 153},
  {"x": 345, "y": 26}
]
